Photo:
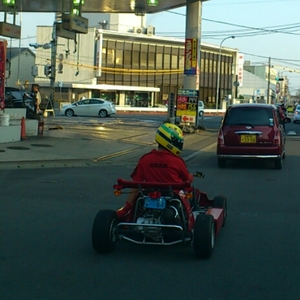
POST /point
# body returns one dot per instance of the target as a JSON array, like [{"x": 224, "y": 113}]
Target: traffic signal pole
[
  {"x": 269, "y": 83},
  {"x": 53, "y": 65}
]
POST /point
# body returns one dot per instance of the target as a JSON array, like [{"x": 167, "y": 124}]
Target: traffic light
[
  {"x": 279, "y": 79},
  {"x": 77, "y": 7},
  {"x": 34, "y": 71},
  {"x": 47, "y": 70}
]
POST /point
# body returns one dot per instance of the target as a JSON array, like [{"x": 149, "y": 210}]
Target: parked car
[
  {"x": 16, "y": 98},
  {"x": 252, "y": 131},
  {"x": 89, "y": 107},
  {"x": 297, "y": 114},
  {"x": 200, "y": 108}
]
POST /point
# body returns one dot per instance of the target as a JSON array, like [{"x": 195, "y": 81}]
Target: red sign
[
  {"x": 3, "y": 45},
  {"x": 190, "y": 57}
]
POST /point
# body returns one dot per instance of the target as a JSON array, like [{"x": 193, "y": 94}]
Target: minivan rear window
[{"x": 256, "y": 116}]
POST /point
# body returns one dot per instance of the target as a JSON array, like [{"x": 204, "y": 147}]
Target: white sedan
[
  {"x": 297, "y": 114},
  {"x": 89, "y": 107}
]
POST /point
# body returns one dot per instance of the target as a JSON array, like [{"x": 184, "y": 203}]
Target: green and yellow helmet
[{"x": 170, "y": 137}]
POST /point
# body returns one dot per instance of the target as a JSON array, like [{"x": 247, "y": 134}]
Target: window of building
[
  {"x": 135, "y": 59},
  {"x": 144, "y": 57},
  {"x": 167, "y": 58},
  {"x": 151, "y": 60},
  {"x": 159, "y": 62},
  {"x": 127, "y": 58},
  {"x": 174, "y": 63},
  {"x": 119, "y": 57}
]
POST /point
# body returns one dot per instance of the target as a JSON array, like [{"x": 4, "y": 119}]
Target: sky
[{"x": 263, "y": 29}]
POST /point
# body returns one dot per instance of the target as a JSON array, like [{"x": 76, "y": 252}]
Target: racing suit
[{"x": 159, "y": 165}]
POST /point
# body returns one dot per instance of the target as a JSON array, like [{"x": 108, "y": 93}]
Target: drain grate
[
  {"x": 18, "y": 148},
  {"x": 41, "y": 145},
  {"x": 2, "y": 150}
]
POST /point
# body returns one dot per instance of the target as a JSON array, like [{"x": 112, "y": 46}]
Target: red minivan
[{"x": 252, "y": 131}]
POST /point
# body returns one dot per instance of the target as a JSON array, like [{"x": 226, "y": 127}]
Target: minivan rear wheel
[
  {"x": 222, "y": 162},
  {"x": 278, "y": 163}
]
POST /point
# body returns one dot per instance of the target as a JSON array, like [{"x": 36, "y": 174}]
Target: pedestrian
[{"x": 38, "y": 98}]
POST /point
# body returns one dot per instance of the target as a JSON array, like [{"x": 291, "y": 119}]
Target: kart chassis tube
[{"x": 144, "y": 242}]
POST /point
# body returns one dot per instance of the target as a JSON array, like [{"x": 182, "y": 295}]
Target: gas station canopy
[{"x": 100, "y": 6}]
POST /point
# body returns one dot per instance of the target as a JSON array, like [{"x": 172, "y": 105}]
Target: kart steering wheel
[{"x": 199, "y": 174}]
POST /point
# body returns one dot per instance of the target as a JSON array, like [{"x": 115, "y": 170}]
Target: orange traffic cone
[{"x": 23, "y": 129}]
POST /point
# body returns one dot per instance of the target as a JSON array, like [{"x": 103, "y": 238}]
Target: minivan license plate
[{"x": 249, "y": 138}]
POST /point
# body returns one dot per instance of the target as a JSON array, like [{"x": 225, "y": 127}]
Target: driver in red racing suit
[{"x": 160, "y": 165}]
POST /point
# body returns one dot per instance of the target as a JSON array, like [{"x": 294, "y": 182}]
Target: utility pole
[{"x": 269, "y": 76}]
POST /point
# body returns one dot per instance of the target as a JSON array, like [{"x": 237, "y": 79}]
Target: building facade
[
  {"x": 131, "y": 69},
  {"x": 19, "y": 62}
]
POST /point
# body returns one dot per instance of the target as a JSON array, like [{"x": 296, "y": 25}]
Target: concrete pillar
[
  {"x": 193, "y": 31},
  {"x": 122, "y": 99}
]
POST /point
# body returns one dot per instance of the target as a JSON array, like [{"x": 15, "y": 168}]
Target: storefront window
[
  {"x": 138, "y": 99},
  {"x": 106, "y": 95},
  {"x": 142, "y": 99}
]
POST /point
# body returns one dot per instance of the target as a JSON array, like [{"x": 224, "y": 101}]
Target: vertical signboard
[
  {"x": 240, "y": 70},
  {"x": 187, "y": 101},
  {"x": 190, "y": 56},
  {"x": 2, "y": 73}
]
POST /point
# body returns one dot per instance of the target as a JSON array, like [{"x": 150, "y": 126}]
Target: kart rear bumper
[{"x": 152, "y": 234}]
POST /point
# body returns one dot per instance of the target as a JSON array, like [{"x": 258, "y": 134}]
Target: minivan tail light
[
  {"x": 221, "y": 137},
  {"x": 276, "y": 140}
]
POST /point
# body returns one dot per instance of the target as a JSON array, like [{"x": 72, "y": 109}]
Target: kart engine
[{"x": 167, "y": 216}]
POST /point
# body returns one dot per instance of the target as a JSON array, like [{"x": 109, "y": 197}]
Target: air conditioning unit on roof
[
  {"x": 137, "y": 29},
  {"x": 150, "y": 30}
]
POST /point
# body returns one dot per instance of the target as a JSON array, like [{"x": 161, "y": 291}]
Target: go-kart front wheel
[
  {"x": 104, "y": 231},
  {"x": 204, "y": 236}
]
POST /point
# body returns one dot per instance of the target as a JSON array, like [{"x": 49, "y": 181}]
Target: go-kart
[{"x": 163, "y": 214}]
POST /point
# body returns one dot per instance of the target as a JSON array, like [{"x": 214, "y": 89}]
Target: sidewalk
[{"x": 65, "y": 148}]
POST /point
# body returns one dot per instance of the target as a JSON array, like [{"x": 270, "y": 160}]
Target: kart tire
[
  {"x": 104, "y": 235},
  {"x": 204, "y": 236},
  {"x": 221, "y": 202}
]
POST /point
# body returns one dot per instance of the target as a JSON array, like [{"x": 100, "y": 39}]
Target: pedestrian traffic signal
[
  {"x": 47, "y": 70},
  {"x": 279, "y": 79}
]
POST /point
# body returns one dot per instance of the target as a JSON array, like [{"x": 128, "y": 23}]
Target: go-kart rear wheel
[
  {"x": 104, "y": 231},
  {"x": 221, "y": 202},
  {"x": 204, "y": 236}
]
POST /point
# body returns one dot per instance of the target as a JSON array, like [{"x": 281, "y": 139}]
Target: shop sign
[{"x": 190, "y": 56}]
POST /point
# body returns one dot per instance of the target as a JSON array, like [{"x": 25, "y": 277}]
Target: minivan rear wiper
[{"x": 241, "y": 124}]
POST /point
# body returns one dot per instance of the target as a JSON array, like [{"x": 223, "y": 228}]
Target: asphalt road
[
  {"x": 210, "y": 122},
  {"x": 46, "y": 217}
]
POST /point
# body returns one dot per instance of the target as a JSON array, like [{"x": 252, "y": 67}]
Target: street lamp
[{"x": 219, "y": 70}]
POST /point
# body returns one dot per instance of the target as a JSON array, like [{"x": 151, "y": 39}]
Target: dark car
[
  {"x": 16, "y": 98},
  {"x": 252, "y": 131}
]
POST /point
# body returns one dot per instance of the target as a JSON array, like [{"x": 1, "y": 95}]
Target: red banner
[
  {"x": 190, "y": 57},
  {"x": 3, "y": 45}
]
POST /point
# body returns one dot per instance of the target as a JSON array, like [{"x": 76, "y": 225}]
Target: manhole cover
[
  {"x": 18, "y": 148},
  {"x": 41, "y": 145}
]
